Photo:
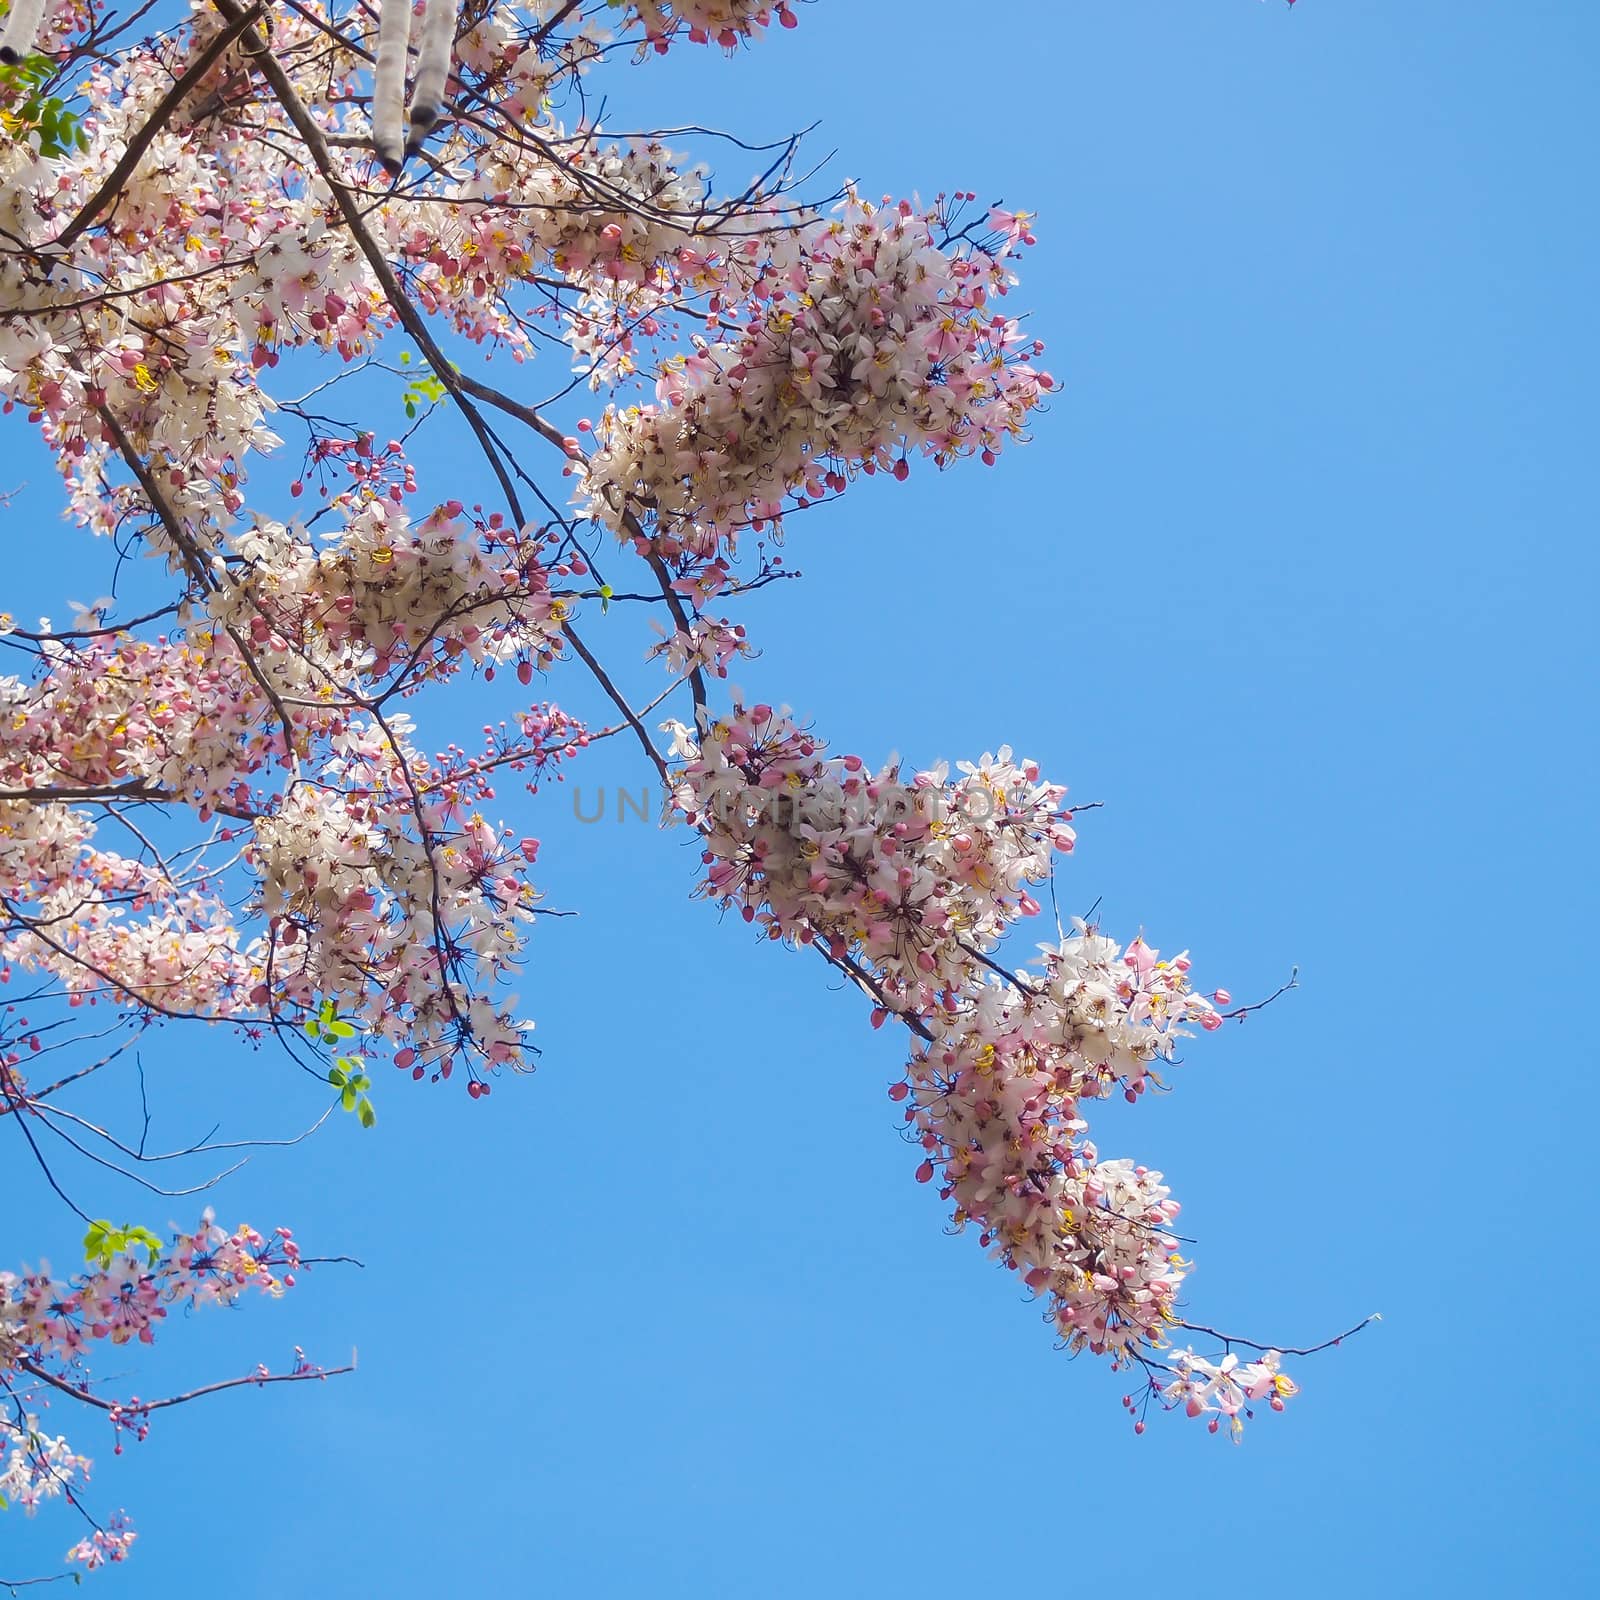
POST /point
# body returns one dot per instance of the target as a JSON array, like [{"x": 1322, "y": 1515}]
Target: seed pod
[
  {"x": 433, "y": 66},
  {"x": 389, "y": 84},
  {"x": 20, "y": 31}
]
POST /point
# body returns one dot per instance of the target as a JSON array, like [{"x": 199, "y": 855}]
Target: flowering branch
[
  {"x": 142, "y": 1408},
  {"x": 194, "y": 206}
]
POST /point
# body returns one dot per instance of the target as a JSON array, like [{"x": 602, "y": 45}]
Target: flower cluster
[
  {"x": 385, "y": 892},
  {"x": 390, "y": 593},
  {"x": 1224, "y": 1388},
  {"x": 724, "y": 22},
  {"x": 50, "y": 1320},
  {"x": 35, "y": 1466},
  {"x": 102, "y": 923},
  {"x": 909, "y": 886},
  {"x": 866, "y": 339},
  {"x": 706, "y": 643},
  {"x": 518, "y": 73},
  {"x": 382, "y": 898},
  {"x": 920, "y": 877},
  {"x": 994, "y": 1098},
  {"x": 105, "y": 1546},
  {"x": 179, "y": 716},
  {"x": 617, "y": 221}
]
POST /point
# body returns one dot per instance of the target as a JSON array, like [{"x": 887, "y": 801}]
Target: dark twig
[
  {"x": 1228, "y": 1339},
  {"x": 1282, "y": 989}
]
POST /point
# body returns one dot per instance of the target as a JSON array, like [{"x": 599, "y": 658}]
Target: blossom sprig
[
  {"x": 49, "y": 1324},
  {"x": 727, "y": 23},
  {"x": 105, "y": 1546},
  {"x": 909, "y": 885},
  {"x": 920, "y": 877},
  {"x": 392, "y": 592},
  {"x": 104, "y": 924},
  {"x": 996, "y": 1102},
  {"x": 175, "y": 718},
  {"x": 48, "y": 1321},
  {"x": 35, "y": 1466},
  {"x": 380, "y": 899},
  {"x": 866, "y": 341},
  {"x": 1222, "y": 1389},
  {"x": 383, "y": 888}
]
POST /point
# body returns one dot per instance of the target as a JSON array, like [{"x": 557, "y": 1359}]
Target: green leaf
[
  {"x": 366, "y": 1113},
  {"x": 348, "y": 1099},
  {"x": 342, "y": 1030},
  {"x": 148, "y": 1240},
  {"x": 104, "y": 1241},
  {"x": 336, "y": 1077}
]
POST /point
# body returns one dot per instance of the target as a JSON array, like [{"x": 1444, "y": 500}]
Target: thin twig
[
  {"x": 44, "y": 1375},
  {"x": 1282, "y": 1349},
  {"x": 1282, "y": 989}
]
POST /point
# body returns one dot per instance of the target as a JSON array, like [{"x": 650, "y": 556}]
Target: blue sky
[{"x": 1296, "y": 578}]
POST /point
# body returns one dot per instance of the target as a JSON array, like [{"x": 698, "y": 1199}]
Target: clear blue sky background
[{"x": 1298, "y": 579}]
